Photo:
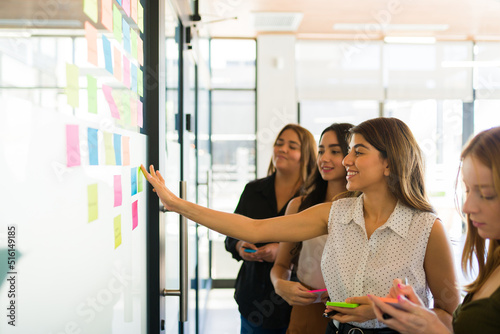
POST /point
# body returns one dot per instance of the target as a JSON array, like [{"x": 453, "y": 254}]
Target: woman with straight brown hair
[
  {"x": 480, "y": 309},
  {"x": 390, "y": 231}
]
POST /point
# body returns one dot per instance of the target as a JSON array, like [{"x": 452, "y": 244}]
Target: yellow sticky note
[
  {"x": 90, "y": 8},
  {"x": 126, "y": 108},
  {"x": 117, "y": 67},
  {"x": 133, "y": 111},
  {"x": 72, "y": 86},
  {"x": 139, "y": 82},
  {"x": 140, "y": 51},
  {"x": 139, "y": 179},
  {"x": 140, "y": 16},
  {"x": 109, "y": 148},
  {"x": 117, "y": 24},
  {"x": 92, "y": 202},
  {"x": 92, "y": 94},
  {"x": 133, "y": 43},
  {"x": 117, "y": 224}
]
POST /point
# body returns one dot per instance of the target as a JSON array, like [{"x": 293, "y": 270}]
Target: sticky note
[
  {"x": 133, "y": 77},
  {"x": 90, "y": 8},
  {"x": 107, "y": 14},
  {"x": 139, "y": 82},
  {"x": 117, "y": 68},
  {"x": 117, "y": 141},
  {"x": 93, "y": 148},
  {"x": 133, "y": 176},
  {"x": 117, "y": 185},
  {"x": 133, "y": 10},
  {"x": 140, "y": 51},
  {"x": 92, "y": 94},
  {"x": 72, "y": 146},
  {"x": 126, "y": 6},
  {"x": 133, "y": 44},
  {"x": 140, "y": 16},
  {"x": 91, "y": 37},
  {"x": 119, "y": 2},
  {"x": 92, "y": 202},
  {"x": 126, "y": 35},
  {"x": 140, "y": 119},
  {"x": 117, "y": 24},
  {"x": 135, "y": 216},
  {"x": 125, "y": 99},
  {"x": 106, "y": 49},
  {"x": 109, "y": 149},
  {"x": 117, "y": 224},
  {"x": 126, "y": 150},
  {"x": 140, "y": 176},
  {"x": 126, "y": 71},
  {"x": 133, "y": 111},
  {"x": 111, "y": 101},
  {"x": 72, "y": 85}
]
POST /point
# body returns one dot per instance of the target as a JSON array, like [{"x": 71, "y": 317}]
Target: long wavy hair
[
  {"x": 485, "y": 147},
  {"x": 395, "y": 142},
  {"x": 308, "y": 151}
]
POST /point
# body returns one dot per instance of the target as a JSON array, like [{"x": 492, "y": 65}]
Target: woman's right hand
[
  {"x": 158, "y": 183},
  {"x": 242, "y": 245},
  {"x": 294, "y": 293}
]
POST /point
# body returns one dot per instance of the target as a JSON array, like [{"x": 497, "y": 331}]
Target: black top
[
  {"x": 478, "y": 316},
  {"x": 254, "y": 292}
]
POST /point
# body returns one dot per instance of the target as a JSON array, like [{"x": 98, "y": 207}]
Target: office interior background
[{"x": 91, "y": 89}]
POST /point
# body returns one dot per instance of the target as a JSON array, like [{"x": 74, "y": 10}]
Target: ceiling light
[
  {"x": 389, "y": 27},
  {"x": 409, "y": 40},
  {"x": 276, "y": 21}
]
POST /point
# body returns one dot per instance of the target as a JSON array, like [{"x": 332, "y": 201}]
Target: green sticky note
[
  {"x": 92, "y": 94},
  {"x": 90, "y": 8},
  {"x": 72, "y": 85},
  {"x": 133, "y": 42},
  {"x": 92, "y": 202},
  {"x": 109, "y": 148},
  {"x": 139, "y": 82},
  {"x": 140, "y": 16},
  {"x": 139, "y": 179},
  {"x": 117, "y": 224},
  {"x": 117, "y": 24}
]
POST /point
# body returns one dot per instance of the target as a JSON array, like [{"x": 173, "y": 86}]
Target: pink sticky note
[
  {"x": 117, "y": 68},
  {"x": 118, "y": 189},
  {"x": 135, "y": 217},
  {"x": 126, "y": 71},
  {"x": 126, "y": 6},
  {"x": 111, "y": 101},
  {"x": 140, "y": 51},
  {"x": 139, "y": 113},
  {"x": 91, "y": 36},
  {"x": 107, "y": 14},
  {"x": 126, "y": 150},
  {"x": 72, "y": 146},
  {"x": 133, "y": 10}
]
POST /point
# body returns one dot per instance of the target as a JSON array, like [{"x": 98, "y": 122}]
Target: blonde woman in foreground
[
  {"x": 388, "y": 232},
  {"x": 480, "y": 310}
]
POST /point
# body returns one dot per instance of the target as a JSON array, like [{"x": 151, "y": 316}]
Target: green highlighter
[{"x": 342, "y": 304}]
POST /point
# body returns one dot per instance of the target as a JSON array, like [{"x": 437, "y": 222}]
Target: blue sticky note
[
  {"x": 119, "y": 2},
  {"x": 117, "y": 141},
  {"x": 92, "y": 143},
  {"x": 133, "y": 174},
  {"x": 126, "y": 35},
  {"x": 133, "y": 74},
  {"x": 106, "y": 47}
]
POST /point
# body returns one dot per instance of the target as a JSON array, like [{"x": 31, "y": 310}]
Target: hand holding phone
[{"x": 342, "y": 304}]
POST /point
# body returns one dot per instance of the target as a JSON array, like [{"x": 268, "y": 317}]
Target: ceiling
[
  {"x": 374, "y": 19},
  {"x": 455, "y": 19}
]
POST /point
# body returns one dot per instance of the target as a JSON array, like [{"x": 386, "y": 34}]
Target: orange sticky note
[
  {"x": 126, "y": 150},
  {"x": 107, "y": 14},
  {"x": 91, "y": 37},
  {"x": 133, "y": 10},
  {"x": 117, "y": 68}
]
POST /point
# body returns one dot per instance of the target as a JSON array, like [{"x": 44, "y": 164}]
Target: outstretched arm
[{"x": 305, "y": 225}]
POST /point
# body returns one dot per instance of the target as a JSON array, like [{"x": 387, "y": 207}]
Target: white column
[{"x": 276, "y": 93}]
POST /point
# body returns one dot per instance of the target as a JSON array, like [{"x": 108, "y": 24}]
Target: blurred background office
[{"x": 90, "y": 89}]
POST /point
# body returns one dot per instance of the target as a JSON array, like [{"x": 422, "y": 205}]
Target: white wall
[{"x": 276, "y": 93}]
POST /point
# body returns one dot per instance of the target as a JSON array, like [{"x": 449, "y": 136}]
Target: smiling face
[
  {"x": 482, "y": 203},
  {"x": 286, "y": 152},
  {"x": 366, "y": 168},
  {"x": 330, "y": 158}
]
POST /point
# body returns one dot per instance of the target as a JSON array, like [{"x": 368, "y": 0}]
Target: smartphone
[
  {"x": 342, "y": 304},
  {"x": 391, "y": 301},
  {"x": 249, "y": 250}
]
